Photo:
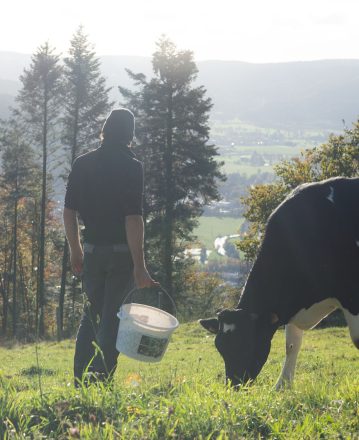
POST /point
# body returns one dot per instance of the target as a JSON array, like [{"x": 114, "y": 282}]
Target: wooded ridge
[{"x": 311, "y": 94}]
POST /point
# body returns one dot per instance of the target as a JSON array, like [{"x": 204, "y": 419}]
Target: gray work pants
[{"x": 107, "y": 275}]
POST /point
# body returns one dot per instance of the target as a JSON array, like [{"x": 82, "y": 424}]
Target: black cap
[{"x": 119, "y": 127}]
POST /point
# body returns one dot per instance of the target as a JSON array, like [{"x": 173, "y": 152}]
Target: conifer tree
[
  {"x": 86, "y": 97},
  {"x": 86, "y": 106},
  {"x": 39, "y": 106},
  {"x": 181, "y": 172}
]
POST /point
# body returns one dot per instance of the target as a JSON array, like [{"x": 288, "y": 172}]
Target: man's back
[{"x": 104, "y": 186}]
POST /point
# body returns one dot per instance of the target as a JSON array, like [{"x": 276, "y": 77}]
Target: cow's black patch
[{"x": 309, "y": 253}]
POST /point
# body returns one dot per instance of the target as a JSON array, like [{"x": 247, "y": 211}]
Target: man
[{"x": 105, "y": 187}]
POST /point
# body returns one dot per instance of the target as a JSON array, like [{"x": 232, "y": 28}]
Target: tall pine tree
[
  {"x": 86, "y": 106},
  {"x": 86, "y": 97},
  {"x": 39, "y": 106},
  {"x": 181, "y": 172}
]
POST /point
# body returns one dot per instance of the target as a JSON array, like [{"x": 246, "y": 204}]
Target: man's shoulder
[
  {"x": 128, "y": 157},
  {"x": 123, "y": 159},
  {"x": 88, "y": 156},
  {"x": 137, "y": 163},
  {"x": 85, "y": 159}
]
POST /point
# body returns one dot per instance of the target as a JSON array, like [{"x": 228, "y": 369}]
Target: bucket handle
[{"x": 161, "y": 290}]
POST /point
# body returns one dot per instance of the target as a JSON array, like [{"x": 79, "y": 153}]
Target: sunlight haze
[{"x": 253, "y": 31}]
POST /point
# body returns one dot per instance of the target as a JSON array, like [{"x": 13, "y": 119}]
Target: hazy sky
[{"x": 250, "y": 30}]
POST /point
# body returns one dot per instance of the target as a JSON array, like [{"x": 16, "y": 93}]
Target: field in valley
[
  {"x": 251, "y": 149},
  {"x": 210, "y": 228},
  {"x": 184, "y": 396},
  {"x": 239, "y": 158}
]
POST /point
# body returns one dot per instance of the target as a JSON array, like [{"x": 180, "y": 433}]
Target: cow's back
[{"x": 310, "y": 250}]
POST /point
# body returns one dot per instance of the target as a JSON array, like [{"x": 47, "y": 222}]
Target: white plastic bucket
[{"x": 144, "y": 332}]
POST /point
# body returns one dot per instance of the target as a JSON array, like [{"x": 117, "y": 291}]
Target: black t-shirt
[{"x": 105, "y": 186}]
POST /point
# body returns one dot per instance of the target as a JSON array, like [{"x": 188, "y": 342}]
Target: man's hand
[
  {"x": 134, "y": 234},
  {"x": 143, "y": 279},
  {"x": 77, "y": 258},
  {"x": 73, "y": 238}
]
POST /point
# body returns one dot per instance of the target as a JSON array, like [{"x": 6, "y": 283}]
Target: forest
[{"x": 58, "y": 114}]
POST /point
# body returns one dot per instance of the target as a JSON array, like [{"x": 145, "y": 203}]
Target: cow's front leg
[{"x": 293, "y": 341}]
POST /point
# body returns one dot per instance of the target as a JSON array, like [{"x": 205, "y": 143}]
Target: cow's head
[{"x": 243, "y": 340}]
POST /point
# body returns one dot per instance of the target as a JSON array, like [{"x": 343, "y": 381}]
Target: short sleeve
[
  {"x": 72, "y": 196},
  {"x": 133, "y": 194}
]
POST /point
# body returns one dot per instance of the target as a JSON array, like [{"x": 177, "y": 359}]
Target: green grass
[
  {"x": 237, "y": 125},
  {"x": 284, "y": 150},
  {"x": 231, "y": 166},
  {"x": 210, "y": 228},
  {"x": 271, "y": 153},
  {"x": 184, "y": 396}
]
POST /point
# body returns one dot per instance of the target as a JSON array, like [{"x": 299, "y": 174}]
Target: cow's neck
[{"x": 260, "y": 293}]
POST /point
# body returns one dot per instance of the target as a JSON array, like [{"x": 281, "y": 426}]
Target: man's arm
[
  {"x": 73, "y": 238},
  {"x": 135, "y": 240}
]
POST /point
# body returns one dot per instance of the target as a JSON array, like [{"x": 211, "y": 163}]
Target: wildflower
[
  {"x": 133, "y": 379},
  {"x": 75, "y": 433}
]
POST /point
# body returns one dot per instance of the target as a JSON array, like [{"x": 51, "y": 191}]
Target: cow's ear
[{"x": 212, "y": 324}]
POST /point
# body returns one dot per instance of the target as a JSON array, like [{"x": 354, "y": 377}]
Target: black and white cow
[{"x": 307, "y": 266}]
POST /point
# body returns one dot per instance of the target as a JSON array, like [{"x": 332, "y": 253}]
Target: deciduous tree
[
  {"x": 339, "y": 156},
  {"x": 21, "y": 189}
]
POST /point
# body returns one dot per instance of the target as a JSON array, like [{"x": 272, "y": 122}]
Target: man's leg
[
  {"x": 84, "y": 349},
  {"x": 118, "y": 279},
  {"x": 94, "y": 286}
]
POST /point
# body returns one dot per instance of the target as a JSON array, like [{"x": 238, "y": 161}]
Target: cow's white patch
[
  {"x": 353, "y": 324},
  {"x": 357, "y": 242},
  {"x": 330, "y": 197},
  {"x": 292, "y": 344},
  {"x": 309, "y": 318},
  {"x": 228, "y": 327}
]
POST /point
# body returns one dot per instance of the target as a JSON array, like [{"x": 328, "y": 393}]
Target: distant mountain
[
  {"x": 114, "y": 69},
  {"x": 297, "y": 94},
  {"x": 314, "y": 94}
]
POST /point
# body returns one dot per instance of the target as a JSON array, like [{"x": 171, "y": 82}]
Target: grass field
[
  {"x": 231, "y": 166},
  {"x": 184, "y": 396},
  {"x": 233, "y": 162},
  {"x": 283, "y": 150},
  {"x": 210, "y": 228}
]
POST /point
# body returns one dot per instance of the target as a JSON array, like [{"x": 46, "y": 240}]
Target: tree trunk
[
  {"x": 26, "y": 300},
  {"x": 35, "y": 261},
  {"x": 5, "y": 287},
  {"x": 168, "y": 217},
  {"x": 60, "y": 319},
  {"x": 41, "y": 295},
  {"x": 14, "y": 283},
  {"x": 5, "y": 305}
]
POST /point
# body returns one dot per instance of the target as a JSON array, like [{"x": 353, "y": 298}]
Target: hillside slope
[{"x": 314, "y": 94}]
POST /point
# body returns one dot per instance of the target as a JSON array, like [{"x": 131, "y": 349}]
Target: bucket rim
[{"x": 150, "y": 326}]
